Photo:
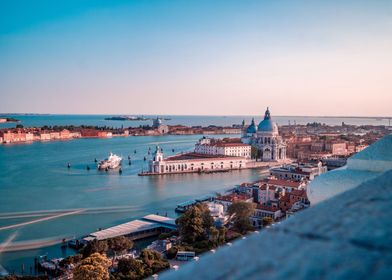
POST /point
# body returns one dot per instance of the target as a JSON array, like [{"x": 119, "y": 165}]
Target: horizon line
[{"x": 195, "y": 115}]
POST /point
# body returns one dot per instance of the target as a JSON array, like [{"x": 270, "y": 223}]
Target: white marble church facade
[{"x": 265, "y": 138}]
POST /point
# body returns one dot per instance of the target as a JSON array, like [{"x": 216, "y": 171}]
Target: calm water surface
[{"x": 34, "y": 177}]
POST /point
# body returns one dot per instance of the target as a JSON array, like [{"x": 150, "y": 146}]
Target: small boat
[
  {"x": 69, "y": 165},
  {"x": 113, "y": 161}
]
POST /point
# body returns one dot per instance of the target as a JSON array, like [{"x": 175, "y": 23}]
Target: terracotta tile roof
[
  {"x": 269, "y": 208},
  {"x": 301, "y": 193},
  {"x": 196, "y": 156},
  {"x": 280, "y": 182},
  {"x": 285, "y": 198},
  {"x": 231, "y": 145},
  {"x": 233, "y": 197}
]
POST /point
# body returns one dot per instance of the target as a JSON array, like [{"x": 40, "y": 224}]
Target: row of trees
[
  {"x": 96, "y": 267},
  {"x": 148, "y": 263},
  {"x": 92, "y": 263},
  {"x": 113, "y": 246}
]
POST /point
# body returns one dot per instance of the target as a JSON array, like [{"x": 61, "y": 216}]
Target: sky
[{"x": 216, "y": 57}]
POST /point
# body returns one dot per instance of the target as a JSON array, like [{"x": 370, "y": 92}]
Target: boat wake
[
  {"x": 8, "y": 242},
  {"x": 9, "y": 246},
  {"x": 58, "y": 213},
  {"x": 41, "y": 219}
]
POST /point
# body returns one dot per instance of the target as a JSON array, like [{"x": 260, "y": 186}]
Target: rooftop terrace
[{"x": 196, "y": 156}]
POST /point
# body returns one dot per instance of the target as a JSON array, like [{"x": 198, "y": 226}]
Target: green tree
[
  {"x": 240, "y": 213},
  {"x": 95, "y": 267},
  {"x": 119, "y": 244},
  {"x": 214, "y": 236},
  {"x": 222, "y": 235},
  {"x": 171, "y": 253},
  {"x": 131, "y": 268},
  {"x": 154, "y": 261},
  {"x": 194, "y": 223},
  {"x": 94, "y": 246},
  {"x": 208, "y": 221}
]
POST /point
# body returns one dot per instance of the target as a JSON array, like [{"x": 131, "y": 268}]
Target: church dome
[
  {"x": 267, "y": 125},
  {"x": 252, "y": 127}
]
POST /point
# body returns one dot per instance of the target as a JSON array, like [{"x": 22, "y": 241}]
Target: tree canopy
[
  {"x": 240, "y": 213},
  {"x": 194, "y": 224},
  {"x": 119, "y": 244},
  {"x": 149, "y": 262},
  {"x": 95, "y": 246},
  {"x": 95, "y": 267}
]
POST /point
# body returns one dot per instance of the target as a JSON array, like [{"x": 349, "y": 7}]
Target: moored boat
[{"x": 113, "y": 161}]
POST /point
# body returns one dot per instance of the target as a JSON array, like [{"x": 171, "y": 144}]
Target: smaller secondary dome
[{"x": 252, "y": 127}]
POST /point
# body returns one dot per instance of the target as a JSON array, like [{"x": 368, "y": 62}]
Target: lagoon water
[{"x": 34, "y": 177}]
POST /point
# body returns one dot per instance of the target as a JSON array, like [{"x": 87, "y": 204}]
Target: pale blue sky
[{"x": 196, "y": 57}]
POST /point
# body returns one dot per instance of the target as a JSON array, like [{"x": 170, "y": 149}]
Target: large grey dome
[{"x": 267, "y": 125}]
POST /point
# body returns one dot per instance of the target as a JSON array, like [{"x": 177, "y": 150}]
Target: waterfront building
[
  {"x": 159, "y": 126},
  {"x": 65, "y": 134},
  {"x": 44, "y": 136},
  {"x": 265, "y": 138},
  {"x": 29, "y": 136},
  {"x": 211, "y": 146},
  {"x": 148, "y": 226},
  {"x": 192, "y": 162},
  {"x": 6, "y": 136},
  {"x": 54, "y": 135},
  {"x": 298, "y": 171}
]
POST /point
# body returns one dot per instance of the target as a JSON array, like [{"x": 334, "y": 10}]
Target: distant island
[
  {"x": 130, "y": 118},
  {"x": 127, "y": 118},
  {"x": 4, "y": 120}
]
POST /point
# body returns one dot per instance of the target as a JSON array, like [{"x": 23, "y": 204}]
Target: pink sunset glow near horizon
[{"x": 327, "y": 58}]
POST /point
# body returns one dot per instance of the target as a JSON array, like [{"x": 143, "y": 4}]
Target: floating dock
[{"x": 150, "y": 225}]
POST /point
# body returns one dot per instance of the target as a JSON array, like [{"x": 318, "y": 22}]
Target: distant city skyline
[{"x": 300, "y": 58}]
